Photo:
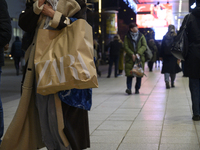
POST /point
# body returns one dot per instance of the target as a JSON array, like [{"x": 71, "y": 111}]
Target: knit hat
[{"x": 198, "y": 3}]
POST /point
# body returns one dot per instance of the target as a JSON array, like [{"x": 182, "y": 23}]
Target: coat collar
[{"x": 129, "y": 36}]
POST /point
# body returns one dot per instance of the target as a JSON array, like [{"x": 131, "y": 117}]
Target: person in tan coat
[{"x": 45, "y": 121}]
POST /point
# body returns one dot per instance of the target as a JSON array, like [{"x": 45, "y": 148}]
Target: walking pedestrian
[
  {"x": 5, "y": 36},
  {"x": 17, "y": 53},
  {"x": 121, "y": 59},
  {"x": 192, "y": 60},
  {"x": 134, "y": 43},
  {"x": 170, "y": 63},
  {"x": 152, "y": 45},
  {"x": 97, "y": 56},
  {"x": 46, "y": 121},
  {"x": 115, "y": 47}
]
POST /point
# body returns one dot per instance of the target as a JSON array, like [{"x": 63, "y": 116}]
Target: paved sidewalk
[{"x": 156, "y": 119}]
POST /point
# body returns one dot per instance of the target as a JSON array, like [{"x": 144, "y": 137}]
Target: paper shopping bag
[{"x": 64, "y": 59}]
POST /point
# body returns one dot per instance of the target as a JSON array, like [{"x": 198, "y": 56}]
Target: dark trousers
[
  {"x": 120, "y": 71},
  {"x": 194, "y": 85},
  {"x": 113, "y": 59},
  {"x": 182, "y": 67},
  {"x": 17, "y": 60},
  {"x": 137, "y": 84},
  {"x": 150, "y": 65}
]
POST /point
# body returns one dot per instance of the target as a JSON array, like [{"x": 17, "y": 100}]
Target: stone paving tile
[
  {"x": 179, "y": 146},
  {"x": 156, "y": 119},
  {"x": 144, "y": 146}
]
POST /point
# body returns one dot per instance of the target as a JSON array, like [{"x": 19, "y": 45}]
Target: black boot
[
  {"x": 167, "y": 85},
  {"x": 172, "y": 85}
]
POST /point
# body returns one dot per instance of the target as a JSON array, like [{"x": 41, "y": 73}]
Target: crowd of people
[{"x": 39, "y": 117}]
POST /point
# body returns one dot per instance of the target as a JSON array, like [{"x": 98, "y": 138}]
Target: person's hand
[
  {"x": 40, "y": 3},
  {"x": 134, "y": 57},
  {"x": 48, "y": 11}
]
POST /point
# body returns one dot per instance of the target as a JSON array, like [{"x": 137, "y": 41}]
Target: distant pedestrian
[
  {"x": 115, "y": 47},
  {"x": 17, "y": 53},
  {"x": 152, "y": 45},
  {"x": 121, "y": 59},
  {"x": 134, "y": 44},
  {"x": 170, "y": 63},
  {"x": 97, "y": 56},
  {"x": 5, "y": 35}
]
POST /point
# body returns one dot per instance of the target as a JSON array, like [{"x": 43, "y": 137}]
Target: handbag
[
  {"x": 64, "y": 59},
  {"x": 137, "y": 70},
  {"x": 148, "y": 54},
  {"x": 180, "y": 45}
]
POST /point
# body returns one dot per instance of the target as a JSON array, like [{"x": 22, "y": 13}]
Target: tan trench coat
[{"x": 24, "y": 132}]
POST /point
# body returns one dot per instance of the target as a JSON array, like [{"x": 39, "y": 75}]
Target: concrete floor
[{"x": 156, "y": 119}]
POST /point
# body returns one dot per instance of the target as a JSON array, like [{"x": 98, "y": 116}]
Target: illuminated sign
[{"x": 151, "y": 16}]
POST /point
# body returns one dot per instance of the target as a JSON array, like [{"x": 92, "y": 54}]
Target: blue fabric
[
  {"x": 79, "y": 98},
  {"x": 1, "y": 114},
  {"x": 73, "y": 19}
]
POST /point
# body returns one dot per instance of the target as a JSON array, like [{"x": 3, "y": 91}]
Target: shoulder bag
[{"x": 180, "y": 45}]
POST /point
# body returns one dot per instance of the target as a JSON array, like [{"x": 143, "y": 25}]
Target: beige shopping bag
[{"x": 64, "y": 59}]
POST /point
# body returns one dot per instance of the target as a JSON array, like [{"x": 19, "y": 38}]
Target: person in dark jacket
[
  {"x": 192, "y": 60},
  {"x": 121, "y": 59},
  {"x": 152, "y": 45},
  {"x": 5, "y": 36},
  {"x": 170, "y": 63},
  {"x": 134, "y": 44},
  {"x": 17, "y": 53},
  {"x": 115, "y": 47}
]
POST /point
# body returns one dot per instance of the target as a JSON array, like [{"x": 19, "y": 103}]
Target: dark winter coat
[
  {"x": 153, "y": 47},
  {"x": 170, "y": 64},
  {"x": 192, "y": 61},
  {"x": 141, "y": 46},
  {"x": 121, "y": 58},
  {"x": 5, "y": 29},
  {"x": 115, "y": 47},
  {"x": 16, "y": 50}
]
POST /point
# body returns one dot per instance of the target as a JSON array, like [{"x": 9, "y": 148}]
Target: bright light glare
[
  {"x": 160, "y": 32},
  {"x": 193, "y": 5}
]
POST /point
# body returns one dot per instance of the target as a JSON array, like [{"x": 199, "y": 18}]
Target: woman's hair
[{"x": 132, "y": 25}]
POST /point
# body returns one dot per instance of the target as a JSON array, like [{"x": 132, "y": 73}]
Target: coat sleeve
[
  {"x": 161, "y": 54},
  {"x": 5, "y": 24},
  {"x": 28, "y": 19},
  {"x": 184, "y": 22},
  {"x": 126, "y": 47},
  {"x": 78, "y": 10},
  {"x": 143, "y": 46}
]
